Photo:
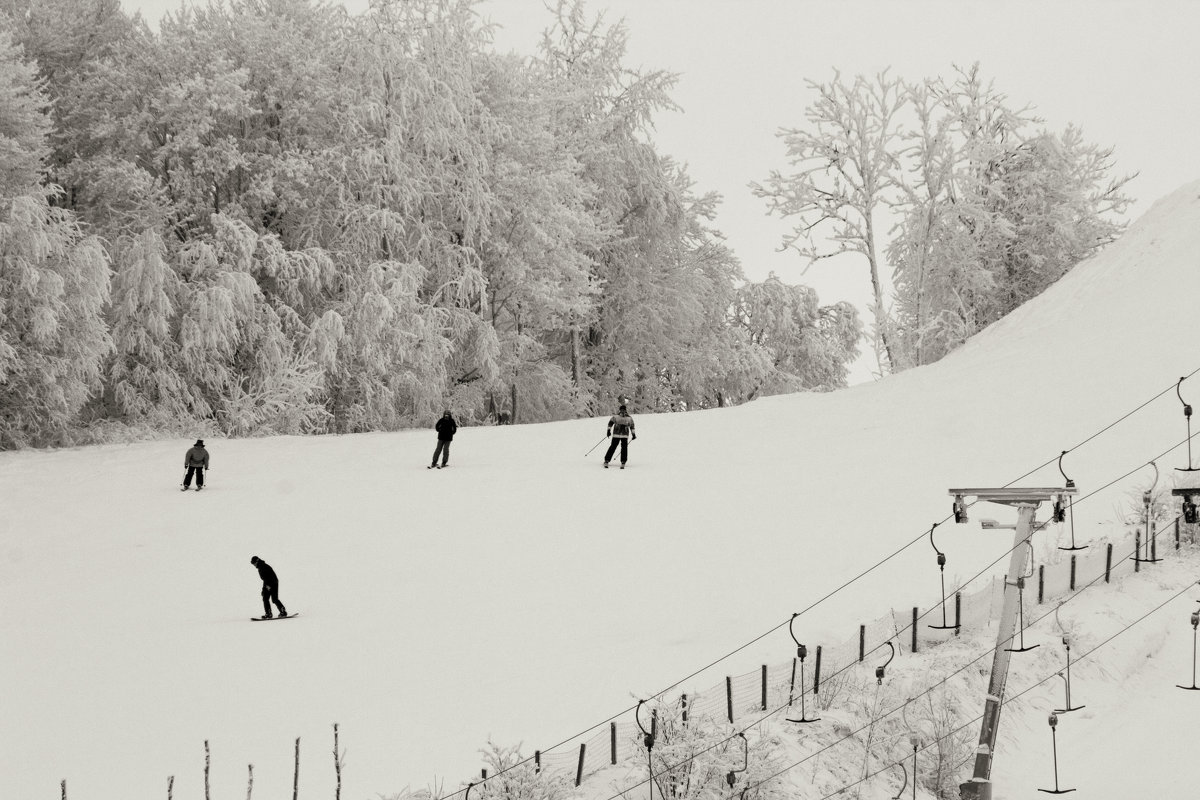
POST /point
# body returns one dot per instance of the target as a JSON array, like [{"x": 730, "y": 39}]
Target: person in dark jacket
[
  {"x": 620, "y": 428},
  {"x": 195, "y": 462},
  {"x": 445, "y": 427},
  {"x": 270, "y": 589}
]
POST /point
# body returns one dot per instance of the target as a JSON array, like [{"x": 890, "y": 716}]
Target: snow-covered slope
[{"x": 525, "y": 594}]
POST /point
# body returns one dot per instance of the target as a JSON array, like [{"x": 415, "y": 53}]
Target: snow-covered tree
[
  {"x": 996, "y": 211},
  {"x": 845, "y": 173},
  {"x": 811, "y": 346},
  {"x": 143, "y": 377},
  {"x": 54, "y": 280}
]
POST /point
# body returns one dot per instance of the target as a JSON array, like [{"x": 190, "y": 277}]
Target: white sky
[{"x": 1125, "y": 72}]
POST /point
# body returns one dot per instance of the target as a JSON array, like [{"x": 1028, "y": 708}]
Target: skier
[
  {"x": 445, "y": 427},
  {"x": 620, "y": 428},
  {"x": 270, "y": 589},
  {"x": 195, "y": 462}
]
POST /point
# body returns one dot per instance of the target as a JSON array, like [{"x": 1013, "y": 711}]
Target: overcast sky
[{"x": 1125, "y": 72}]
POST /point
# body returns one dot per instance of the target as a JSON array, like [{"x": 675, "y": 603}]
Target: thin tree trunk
[{"x": 880, "y": 314}]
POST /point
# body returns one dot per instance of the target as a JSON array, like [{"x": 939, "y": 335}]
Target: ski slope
[{"x": 525, "y": 594}]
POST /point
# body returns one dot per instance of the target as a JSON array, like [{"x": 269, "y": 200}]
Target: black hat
[
  {"x": 621, "y": 409},
  {"x": 199, "y": 443},
  {"x": 254, "y": 560}
]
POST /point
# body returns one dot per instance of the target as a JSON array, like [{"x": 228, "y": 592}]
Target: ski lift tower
[{"x": 1026, "y": 502}]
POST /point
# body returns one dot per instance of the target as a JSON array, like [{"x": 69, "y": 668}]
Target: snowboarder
[
  {"x": 270, "y": 589},
  {"x": 445, "y": 427},
  {"x": 195, "y": 462},
  {"x": 620, "y": 428}
]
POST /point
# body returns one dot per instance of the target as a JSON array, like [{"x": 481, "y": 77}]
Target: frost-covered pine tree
[{"x": 54, "y": 281}]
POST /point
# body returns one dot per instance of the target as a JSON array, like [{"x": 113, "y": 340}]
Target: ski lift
[
  {"x": 1066, "y": 640},
  {"x": 1151, "y": 533},
  {"x": 1187, "y": 414},
  {"x": 648, "y": 736},
  {"x": 941, "y": 561},
  {"x": 1021, "y": 606},
  {"x": 647, "y": 739},
  {"x": 1054, "y": 740},
  {"x": 880, "y": 669},
  {"x": 903, "y": 786},
  {"x": 731, "y": 776},
  {"x": 1190, "y": 514},
  {"x": 1195, "y": 625},
  {"x": 960, "y": 509},
  {"x": 802, "y": 653},
  {"x": 1062, "y": 506}
]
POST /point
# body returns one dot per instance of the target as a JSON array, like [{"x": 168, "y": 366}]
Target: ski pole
[{"x": 597, "y": 444}]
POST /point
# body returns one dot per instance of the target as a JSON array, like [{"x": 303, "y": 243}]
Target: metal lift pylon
[{"x": 1026, "y": 502}]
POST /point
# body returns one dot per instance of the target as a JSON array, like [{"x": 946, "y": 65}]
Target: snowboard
[{"x": 268, "y": 619}]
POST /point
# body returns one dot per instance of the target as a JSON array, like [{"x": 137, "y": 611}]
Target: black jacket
[
  {"x": 446, "y": 427},
  {"x": 269, "y": 578}
]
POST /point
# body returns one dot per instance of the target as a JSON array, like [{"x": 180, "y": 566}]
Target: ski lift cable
[
  {"x": 855, "y": 579},
  {"x": 843, "y": 669},
  {"x": 984, "y": 654},
  {"x": 810, "y": 607},
  {"x": 1008, "y": 701},
  {"x": 1108, "y": 427}
]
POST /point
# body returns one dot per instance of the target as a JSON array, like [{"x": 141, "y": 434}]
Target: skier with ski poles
[
  {"x": 620, "y": 428},
  {"x": 195, "y": 462}
]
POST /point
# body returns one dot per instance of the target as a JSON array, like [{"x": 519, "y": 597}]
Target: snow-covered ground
[{"x": 524, "y": 594}]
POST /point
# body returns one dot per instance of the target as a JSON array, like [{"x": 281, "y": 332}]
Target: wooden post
[
  {"x": 483, "y": 774},
  {"x": 1177, "y": 533},
  {"x": 957, "y": 612},
  {"x": 683, "y": 699},
  {"x": 1042, "y": 582},
  {"x": 170, "y": 787},
  {"x": 862, "y": 643},
  {"x": 579, "y": 769},
  {"x": 537, "y": 762},
  {"x": 1137, "y": 551},
  {"x": 816, "y": 673},
  {"x": 1072, "y": 572},
  {"x": 729, "y": 696},
  {"x": 612, "y": 738},
  {"x": 1108, "y": 562},
  {"x": 764, "y": 687},
  {"x": 296, "y": 772}
]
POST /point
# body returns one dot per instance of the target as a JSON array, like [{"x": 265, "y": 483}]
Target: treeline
[{"x": 271, "y": 216}]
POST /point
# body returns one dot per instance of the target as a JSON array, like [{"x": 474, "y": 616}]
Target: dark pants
[
  {"x": 443, "y": 450},
  {"x": 270, "y": 594},
  {"x": 198, "y": 472},
  {"x": 612, "y": 448}
]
